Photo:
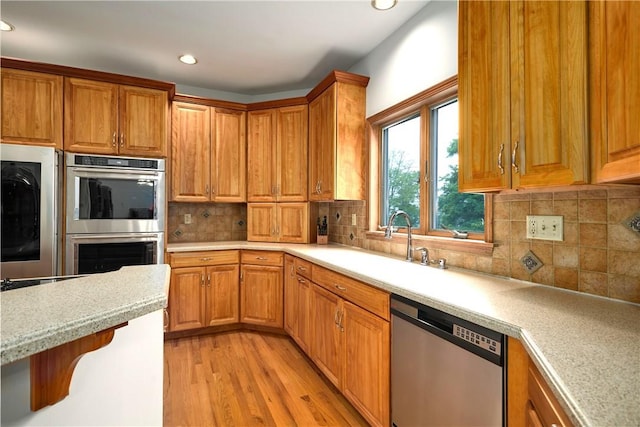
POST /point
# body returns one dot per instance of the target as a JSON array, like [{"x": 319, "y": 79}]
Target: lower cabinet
[
  {"x": 261, "y": 288},
  {"x": 202, "y": 295},
  {"x": 351, "y": 346},
  {"x": 297, "y": 296}
]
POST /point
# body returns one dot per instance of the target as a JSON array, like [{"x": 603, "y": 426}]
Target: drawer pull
[
  {"x": 261, "y": 258},
  {"x": 341, "y": 288},
  {"x": 302, "y": 268},
  {"x": 301, "y": 280},
  {"x": 206, "y": 259}
]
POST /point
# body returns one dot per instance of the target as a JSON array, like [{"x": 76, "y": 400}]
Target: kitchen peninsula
[
  {"x": 586, "y": 347},
  {"x": 120, "y": 383}
]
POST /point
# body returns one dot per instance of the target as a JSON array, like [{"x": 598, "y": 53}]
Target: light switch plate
[
  {"x": 354, "y": 219},
  {"x": 545, "y": 227}
]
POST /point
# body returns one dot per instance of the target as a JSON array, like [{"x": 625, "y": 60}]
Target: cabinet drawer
[
  {"x": 203, "y": 258},
  {"x": 363, "y": 295},
  {"x": 302, "y": 267},
  {"x": 262, "y": 258},
  {"x": 545, "y": 404}
]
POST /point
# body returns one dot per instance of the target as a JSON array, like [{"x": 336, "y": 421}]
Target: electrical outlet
[
  {"x": 354, "y": 219},
  {"x": 545, "y": 227},
  {"x": 187, "y": 218}
]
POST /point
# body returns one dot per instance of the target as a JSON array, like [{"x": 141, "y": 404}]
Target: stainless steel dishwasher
[{"x": 445, "y": 371}]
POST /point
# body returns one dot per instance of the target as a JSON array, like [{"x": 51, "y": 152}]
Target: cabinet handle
[
  {"x": 122, "y": 139},
  {"x": 206, "y": 259},
  {"x": 318, "y": 187},
  {"x": 302, "y": 268},
  {"x": 261, "y": 258},
  {"x": 341, "y": 288},
  {"x": 340, "y": 317},
  {"x": 113, "y": 139},
  {"x": 500, "y": 159},
  {"x": 277, "y": 190},
  {"x": 206, "y": 189},
  {"x": 209, "y": 280},
  {"x": 301, "y": 280},
  {"x": 335, "y": 318},
  {"x": 166, "y": 320},
  {"x": 202, "y": 280},
  {"x": 514, "y": 163}
]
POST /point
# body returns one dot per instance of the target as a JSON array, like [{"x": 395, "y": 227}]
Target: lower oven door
[{"x": 98, "y": 253}]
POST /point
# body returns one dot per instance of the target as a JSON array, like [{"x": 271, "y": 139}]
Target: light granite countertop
[
  {"x": 37, "y": 318},
  {"x": 586, "y": 347}
]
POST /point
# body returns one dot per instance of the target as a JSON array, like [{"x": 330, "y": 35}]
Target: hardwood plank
[{"x": 246, "y": 378}]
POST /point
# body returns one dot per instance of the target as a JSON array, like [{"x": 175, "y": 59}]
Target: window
[{"x": 415, "y": 152}]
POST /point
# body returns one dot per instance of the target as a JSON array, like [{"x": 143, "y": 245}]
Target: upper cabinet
[
  {"x": 31, "y": 108},
  {"x": 522, "y": 92},
  {"x": 107, "y": 118},
  {"x": 614, "y": 87},
  {"x": 208, "y": 159},
  {"x": 336, "y": 138},
  {"x": 277, "y": 154}
]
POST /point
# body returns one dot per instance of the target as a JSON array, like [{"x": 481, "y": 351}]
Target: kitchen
[{"x": 589, "y": 211}]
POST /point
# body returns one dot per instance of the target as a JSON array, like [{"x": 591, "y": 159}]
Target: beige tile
[
  {"x": 624, "y": 263},
  {"x": 593, "y": 259},
  {"x": 565, "y": 256},
  {"x": 518, "y": 231},
  {"x": 484, "y": 264},
  {"x": 501, "y": 267},
  {"x": 566, "y": 278},
  {"x": 519, "y": 210},
  {"x": 624, "y": 287},
  {"x": 567, "y": 208},
  {"x": 544, "y": 252},
  {"x": 501, "y": 231},
  {"x": 519, "y": 249},
  {"x": 594, "y": 283},
  {"x": 502, "y": 250},
  {"x": 565, "y": 195},
  {"x": 570, "y": 234},
  {"x": 514, "y": 196},
  {"x": 544, "y": 275},
  {"x": 500, "y": 210},
  {"x": 519, "y": 272},
  {"x": 620, "y": 237},
  {"x": 592, "y": 210},
  {"x": 593, "y": 235},
  {"x": 541, "y": 196},
  {"x": 621, "y": 209},
  {"x": 592, "y": 194},
  {"x": 542, "y": 207},
  {"x": 455, "y": 259},
  {"x": 470, "y": 262},
  {"x": 624, "y": 192}
]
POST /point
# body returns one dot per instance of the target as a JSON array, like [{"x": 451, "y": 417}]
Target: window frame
[{"x": 421, "y": 103}]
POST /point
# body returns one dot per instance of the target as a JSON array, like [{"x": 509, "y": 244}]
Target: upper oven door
[{"x": 114, "y": 201}]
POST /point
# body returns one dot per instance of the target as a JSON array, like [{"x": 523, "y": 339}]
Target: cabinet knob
[{"x": 500, "y": 159}]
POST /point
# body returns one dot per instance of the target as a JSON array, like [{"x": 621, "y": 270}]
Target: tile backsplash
[
  {"x": 209, "y": 222},
  {"x": 600, "y": 253}
]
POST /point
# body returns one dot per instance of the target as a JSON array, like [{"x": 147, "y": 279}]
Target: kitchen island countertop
[
  {"x": 587, "y": 347},
  {"x": 41, "y": 317}
]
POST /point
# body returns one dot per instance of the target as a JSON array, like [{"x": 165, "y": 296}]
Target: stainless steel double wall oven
[{"x": 115, "y": 212}]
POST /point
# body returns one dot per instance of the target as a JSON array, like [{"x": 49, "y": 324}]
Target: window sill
[{"x": 477, "y": 247}]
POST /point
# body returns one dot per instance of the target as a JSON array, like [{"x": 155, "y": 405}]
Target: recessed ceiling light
[
  {"x": 188, "y": 59},
  {"x": 383, "y": 4},
  {"x": 5, "y": 26}
]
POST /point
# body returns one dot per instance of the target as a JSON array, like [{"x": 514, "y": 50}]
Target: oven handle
[
  {"x": 109, "y": 173},
  {"x": 147, "y": 237}
]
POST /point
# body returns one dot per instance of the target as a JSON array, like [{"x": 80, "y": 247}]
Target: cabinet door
[
  {"x": 292, "y": 160},
  {"x": 261, "y": 156},
  {"x": 322, "y": 143},
  {"x": 186, "y": 298},
  {"x": 293, "y": 222},
  {"x": 326, "y": 344},
  {"x": 222, "y": 303},
  {"x": 31, "y": 108},
  {"x": 367, "y": 354},
  {"x": 228, "y": 152},
  {"x": 290, "y": 298},
  {"x": 261, "y": 296},
  {"x": 483, "y": 91},
  {"x": 91, "y": 117},
  {"x": 303, "y": 329},
  {"x": 143, "y": 121},
  {"x": 614, "y": 90},
  {"x": 190, "y": 155},
  {"x": 262, "y": 222},
  {"x": 548, "y": 93}
]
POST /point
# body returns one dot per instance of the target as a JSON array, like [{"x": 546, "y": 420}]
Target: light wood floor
[{"x": 246, "y": 378}]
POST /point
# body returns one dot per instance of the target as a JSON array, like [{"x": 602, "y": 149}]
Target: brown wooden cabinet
[
  {"x": 614, "y": 90},
  {"x": 530, "y": 401},
  {"x": 350, "y": 344},
  {"x": 277, "y": 154},
  {"x": 297, "y": 296},
  {"x": 522, "y": 93},
  {"x": 261, "y": 288},
  {"x": 281, "y": 222},
  {"x": 336, "y": 138},
  {"x": 31, "y": 108},
  {"x": 204, "y": 289},
  {"x": 106, "y": 118},
  {"x": 207, "y": 154}
]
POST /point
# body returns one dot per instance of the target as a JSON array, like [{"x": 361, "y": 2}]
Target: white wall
[
  {"x": 117, "y": 385},
  {"x": 417, "y": 56}
]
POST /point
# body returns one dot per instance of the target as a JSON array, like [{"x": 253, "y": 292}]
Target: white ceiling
[{"x": 245, "y": 47}]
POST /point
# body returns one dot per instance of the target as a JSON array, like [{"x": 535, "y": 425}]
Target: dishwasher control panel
[{"x": 477, "y": 339}]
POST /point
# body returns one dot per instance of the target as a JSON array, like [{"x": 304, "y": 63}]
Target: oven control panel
[{"x": 477, "y": 339}]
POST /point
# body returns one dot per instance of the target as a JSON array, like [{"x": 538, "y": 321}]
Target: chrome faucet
[{"x": 389, "y": 231}]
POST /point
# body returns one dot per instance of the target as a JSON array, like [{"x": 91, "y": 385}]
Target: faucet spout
[{"x": 389, "y": 231}]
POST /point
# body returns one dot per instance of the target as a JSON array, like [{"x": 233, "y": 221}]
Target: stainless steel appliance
[
  {"x": 445, "y": 371},
  {"x": 115, "y": 212},
  {"x": 30, "y": 211}
]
